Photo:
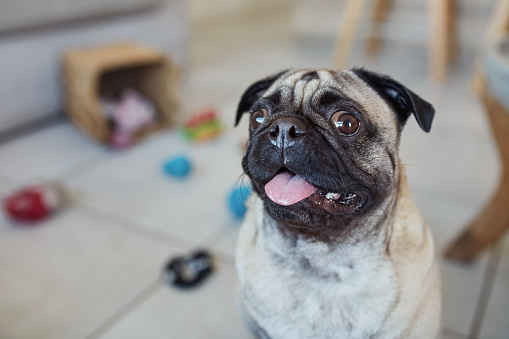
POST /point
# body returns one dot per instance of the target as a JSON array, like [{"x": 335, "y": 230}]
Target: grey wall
[{"x": 30, "y": 87}]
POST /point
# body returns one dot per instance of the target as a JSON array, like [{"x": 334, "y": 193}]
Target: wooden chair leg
[
  {"x": 348, "y": 31},
  {"x": 491, "y": 223},
  {"x": 378, "y": 17},
  {"x": 442, "y": 38},
  {"x": 485, "y": 230},
  {"x": 452, "y": 12}
]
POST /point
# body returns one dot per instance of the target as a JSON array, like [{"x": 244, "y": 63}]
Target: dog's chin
[{"x": 318, "y": 210}]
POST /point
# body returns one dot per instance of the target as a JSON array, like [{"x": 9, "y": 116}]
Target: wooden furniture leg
[
  {"x": 348, "y": 30},
  {"x": 442, "y": 49},
  {"x": 452, "y": 33},
  {"x": 378, "y": 17},
  {"x": 491, "y": 223}
]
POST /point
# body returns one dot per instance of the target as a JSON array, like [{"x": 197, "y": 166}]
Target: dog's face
[{"x": 323, "y": 147}]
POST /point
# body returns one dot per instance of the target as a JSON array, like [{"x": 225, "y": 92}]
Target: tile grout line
[
  {"x": 162, "y": 237},
  {"x": 125, "y": 310},
  {"x": 216, "y": 236},
  {"x": 455, "y": 333},
  {"x": 486, "y": 288},
  {"x": 71, "y": 172},
  {"x": 213, "y": 239},
  {"x": 130, "y": 225},
  {"x": 83, "y": 166}
]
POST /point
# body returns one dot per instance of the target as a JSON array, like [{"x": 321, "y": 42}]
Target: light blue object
[
  {"x": 179, "y": 166},
  {"x": 237, "y": 201},
  {"x": 496, "y": 64}
]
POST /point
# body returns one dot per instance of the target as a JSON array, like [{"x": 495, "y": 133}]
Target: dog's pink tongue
[{"x": 287, "y": 189}]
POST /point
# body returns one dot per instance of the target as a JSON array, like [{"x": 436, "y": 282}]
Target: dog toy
[
  {"x": 36, "y": 203},
  {"x": 130, "y": 114},
  {"x": 203, "y": 126},
  {"x": 188, "y": 271},
  {"x": 237, "y": 200},
  {"x": 179, "y": 166}
]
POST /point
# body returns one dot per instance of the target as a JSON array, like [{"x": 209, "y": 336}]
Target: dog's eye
[
  {"x": 258, "y": 117},
  {"x": 346, "y": 123}
]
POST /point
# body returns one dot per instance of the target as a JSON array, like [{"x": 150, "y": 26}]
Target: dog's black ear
[
  {"x": 402, "y": 100},
  {"x": 253, "y": 93}
]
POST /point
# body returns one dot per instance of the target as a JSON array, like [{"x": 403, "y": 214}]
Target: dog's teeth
[{"x": 332, "y": 196}]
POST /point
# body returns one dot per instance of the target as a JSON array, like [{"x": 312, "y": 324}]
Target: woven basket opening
[
  {"x": 113, "y": 83},
  {"x": 145, "y": 79}
]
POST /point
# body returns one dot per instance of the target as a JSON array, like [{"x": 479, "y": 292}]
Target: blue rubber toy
[
  {"x": 237, "y": 200},
  {"x": 179, "y": 166}
]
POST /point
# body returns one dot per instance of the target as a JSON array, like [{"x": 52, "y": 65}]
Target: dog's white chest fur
[
  {"x": 310, "y": 290},
  {"x": 301, "y": 289}
]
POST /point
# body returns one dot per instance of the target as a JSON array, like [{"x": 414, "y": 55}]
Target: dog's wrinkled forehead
[
  {"x": 372, "y": 92},
  {"x": 307, "y": 87}
]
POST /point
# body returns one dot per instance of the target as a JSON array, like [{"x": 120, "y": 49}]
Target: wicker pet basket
[{"x": 90, "y": 73}]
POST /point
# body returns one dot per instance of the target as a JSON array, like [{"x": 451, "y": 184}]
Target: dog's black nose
[{"x": 284, "y": 132}]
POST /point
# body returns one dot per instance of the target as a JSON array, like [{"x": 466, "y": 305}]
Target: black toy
[{"x": 188, "y": 271}]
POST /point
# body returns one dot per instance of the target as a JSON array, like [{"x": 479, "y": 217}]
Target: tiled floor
[{"x": 93, "y": 270}]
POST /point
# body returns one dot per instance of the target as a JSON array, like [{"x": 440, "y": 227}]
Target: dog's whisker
[
  {"x": 341, "y": 183},
  {"x": 419, "y": 167},
  {"x": 240, "y": 182}
]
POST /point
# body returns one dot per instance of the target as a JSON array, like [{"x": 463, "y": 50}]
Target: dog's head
[{"x": 323, "y": 147}]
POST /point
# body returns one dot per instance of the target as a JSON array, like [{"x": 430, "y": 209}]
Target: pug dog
[{"x": 332, "y": 245}]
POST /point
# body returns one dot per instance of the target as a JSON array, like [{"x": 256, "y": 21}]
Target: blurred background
[{"x": 102, "y": 186}]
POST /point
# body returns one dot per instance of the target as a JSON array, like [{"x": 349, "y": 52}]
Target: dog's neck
[{"x": 341, "y": 262}]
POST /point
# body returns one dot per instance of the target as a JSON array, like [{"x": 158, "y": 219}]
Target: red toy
[{"x": 34, "y": 203}]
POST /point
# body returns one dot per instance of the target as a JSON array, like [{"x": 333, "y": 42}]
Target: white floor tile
[
  {"x": 226, "y": 244},
  {"x": 134, "y": 186},
  {"x": 465, "y": 165},
  {"x": 208, "y": 311},
  {"x": 46, "y": 154},
  {"x": 496, "y": 318},
  {"x": 445, "y": 213},
  {"x": 64, "y": 277},
  {"x": 6, "y": 186},
  {"x": 461, "y": 286},
  {"x": 447, "y": 217}
]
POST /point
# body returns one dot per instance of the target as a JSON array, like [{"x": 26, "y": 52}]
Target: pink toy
[{"x": 132, "y": 113}]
